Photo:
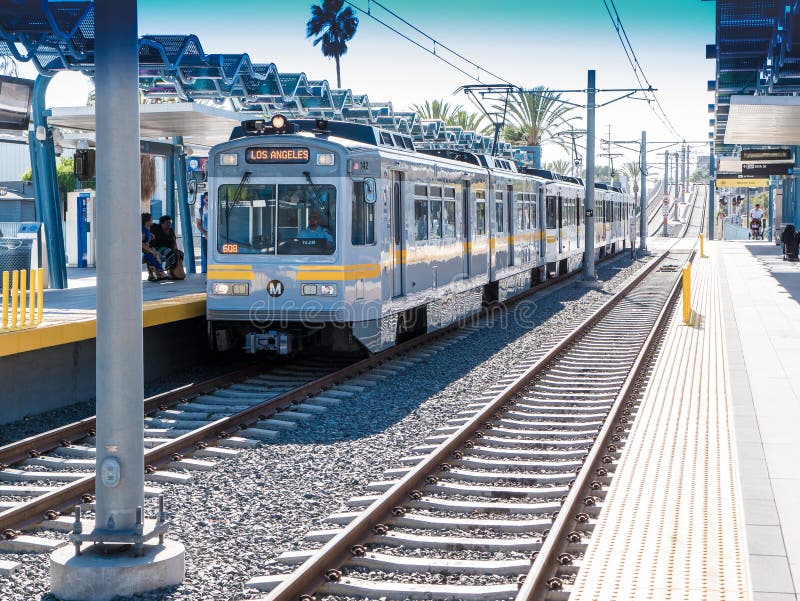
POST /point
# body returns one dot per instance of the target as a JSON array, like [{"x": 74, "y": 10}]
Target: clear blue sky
[{"x": 533, "y": 42}]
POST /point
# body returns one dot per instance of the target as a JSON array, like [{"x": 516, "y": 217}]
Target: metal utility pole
[
  {"x": 666, "y": 172},
  {"x": 677, "y": 184},
  {"x": 588, "y": 258},
  {"x": 712, "y": 217},
  {"x": 683, "y": 173},
  {"x": 120, "y": 428},
  {"x": 643, "y": 194}
]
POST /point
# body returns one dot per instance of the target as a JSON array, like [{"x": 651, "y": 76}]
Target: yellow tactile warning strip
[
  {"x": 672, "y": 527},
  {"x": 53, "y": 334}
]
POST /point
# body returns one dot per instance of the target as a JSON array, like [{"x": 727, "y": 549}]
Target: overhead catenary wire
[
  {"x": 638, "y": 71},
  {"x": 436, "y": 43}
]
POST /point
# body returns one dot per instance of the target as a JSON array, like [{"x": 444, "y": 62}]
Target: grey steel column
[
  {"x": 169, "y": 176},
  {"x": 712, "y": 217},
  {"x": 677, "y": 184},
  {"x": 643, "y": 194},
  {"x": 120, "y": 425},
  {"x": 771, "y": 210},
  {"x": 666, "y": 172},
  {"x": 683, "y": 172},
  {"x": 588, "y": 256}
]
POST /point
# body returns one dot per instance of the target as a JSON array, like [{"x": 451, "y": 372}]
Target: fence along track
[{"x": 514, "y": 454}]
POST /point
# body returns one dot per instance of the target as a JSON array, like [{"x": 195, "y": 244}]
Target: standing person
[
  {"x": 665, "y": 215},
  {"x": 201, "y": 219}
]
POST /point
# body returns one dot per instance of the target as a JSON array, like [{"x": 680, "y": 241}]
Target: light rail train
[{"x": 344, "y": 235}]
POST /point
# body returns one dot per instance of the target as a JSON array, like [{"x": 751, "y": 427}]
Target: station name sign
[
  {"x": 766, "y": 154},
  {"x": 766, "y": 169},
  {"x": 274, "y": 154}
]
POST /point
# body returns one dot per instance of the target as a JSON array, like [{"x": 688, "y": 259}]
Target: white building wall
[{"x": 14, "y": 161}]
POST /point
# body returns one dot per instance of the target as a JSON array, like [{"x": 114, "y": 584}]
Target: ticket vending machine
[{"x": 80, "y": 235}]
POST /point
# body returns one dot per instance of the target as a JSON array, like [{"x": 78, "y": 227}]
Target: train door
[
  {"x": 510, "y": 218},
  {"x": 560, "y": 224},
  {"x": 466, "y": 231},
  {"x": 396, "y": 227},
  {"x": 542, "y": 224}
]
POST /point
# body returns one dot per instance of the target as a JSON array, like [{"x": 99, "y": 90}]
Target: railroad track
[
  {"x": 187, "y": 430},
  {"x": 501, "y": 502}
]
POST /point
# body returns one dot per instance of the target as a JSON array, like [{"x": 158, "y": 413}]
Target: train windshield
[{"x": 284, "y": 219}]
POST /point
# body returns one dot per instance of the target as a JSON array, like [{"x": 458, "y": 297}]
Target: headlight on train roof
[
  {"x": 327, "y": 289},
  {"x": 326, "y": 159},
  {"x": 229, "y": 159},
  {"x": 226, "y": 289}
]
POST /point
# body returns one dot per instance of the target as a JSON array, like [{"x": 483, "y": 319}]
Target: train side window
[
  {"x": 550, "y": 212},
  {"x": 480, "y": 217},
  {"x": 498, "y": 212},
  {"x": 520, "y": 209},
  {"x": 421, "y": 217},
  {"x": 420, "y": 190},
  {"x": 436, "y": 218},
  {"x": 449, "y": 219},
  {"x": 363, "y": 229},
  {"x": 578, "y": 211},
  {"x": 534, "y": 221}
]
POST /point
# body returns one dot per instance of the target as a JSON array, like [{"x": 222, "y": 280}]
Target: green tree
[
  {"x": 561, "y": 166},
  {"x": 633, "y": 171},
  {"x": 65, "y": 173},
  {"x": 537, "y": 117},
  {"x": 700, "y": 176},
  {"x": 334, "y": 25},
  {"x": 438, "y": 109},
  {"x": 468, "y": 121}
]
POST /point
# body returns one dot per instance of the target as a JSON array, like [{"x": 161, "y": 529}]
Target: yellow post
[
  {"x": 14, "y": 293},
  {"x": 702, "y": 245},
  {"x": 32, "y": 299},
  {"x": 39, "y": 294},
  {"x": 23, "y": 296},
  {"x": 5, "y": 300},
  {"x": 687, "y": 293}
]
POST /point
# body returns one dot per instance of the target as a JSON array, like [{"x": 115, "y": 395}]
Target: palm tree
[
  {"x": 633, "y": 171},
  {"x": 561, "y": 166},
  {"x": 335, "y": 26},
  {"x": 438, "y": 109},
  {"x": 536, "y": 117}
]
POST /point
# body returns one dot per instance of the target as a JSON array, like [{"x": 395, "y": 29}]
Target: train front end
[{"x": 274, "y": 248}]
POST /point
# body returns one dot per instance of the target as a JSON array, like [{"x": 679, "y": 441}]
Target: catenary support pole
[
  {"x": 588, "y": 257},
  {"x": 712, "y": 217},
  {"x": 771, "y": 214},
  {"x": 666, "y": 172},
  {"x": 643, "y": 194},
  {"x": 674, "y": 200},
  {"x": 120, "y": 428},
  {"x": 187, "y": 231}
]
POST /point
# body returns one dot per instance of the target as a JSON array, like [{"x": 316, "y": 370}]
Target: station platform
[
  {"x": 703, "y": 502},
  {"x": 70, "y": 315}
]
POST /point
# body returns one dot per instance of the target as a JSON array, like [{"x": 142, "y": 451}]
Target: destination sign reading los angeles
[{"x": 262, "y": 154}]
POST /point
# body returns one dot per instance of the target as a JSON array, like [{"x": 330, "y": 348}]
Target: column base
[{"x": 95, "y": 576}]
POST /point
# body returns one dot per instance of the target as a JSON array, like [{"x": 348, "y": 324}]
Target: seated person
[
  {"x": 315, "y": 230},
  {"x": 165, "y": 243},
  {"x": 150, "y": 255}
]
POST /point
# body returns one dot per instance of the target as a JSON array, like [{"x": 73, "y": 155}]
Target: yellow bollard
[
  {"x": 32, "y": 298},
  {"x": 687, "y": 293},
  {"x": 5, "y": 300},
  {"x": 23, "y": 297},
  {"x": 702, "y": 245},
  {"x": 14, "y": 293},
  {"x": 39, "y": 294}
]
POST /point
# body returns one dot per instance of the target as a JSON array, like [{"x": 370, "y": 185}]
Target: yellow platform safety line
[
  {"x": 702, "y": 246},
  {"x": 27, "y": 300},
  {"x": 47, "y": 335},
  {"x": 687, "y": 294}
]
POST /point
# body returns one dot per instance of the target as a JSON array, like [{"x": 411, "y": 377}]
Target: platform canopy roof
[
  {"x": 59, "y": 36},
  {"x": 756, "y": 56},
  {"x": 199, "y": 125}
]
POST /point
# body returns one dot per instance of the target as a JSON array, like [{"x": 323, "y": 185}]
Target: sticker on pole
[{"x": 110, "y": 472}]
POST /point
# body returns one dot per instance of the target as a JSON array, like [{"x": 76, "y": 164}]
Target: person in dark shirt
[
  {"x": 150, "y": 255},
  {"x": 165, "y": 242}
]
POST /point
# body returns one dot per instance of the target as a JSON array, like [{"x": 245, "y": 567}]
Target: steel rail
[
  {"x": 65, "y": 497},
  {"x": 535, "y": 587},
  {"x": 307, "y": 578}
]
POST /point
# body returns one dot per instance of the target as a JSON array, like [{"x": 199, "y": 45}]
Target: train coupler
[{"x": 278, "y": 342}]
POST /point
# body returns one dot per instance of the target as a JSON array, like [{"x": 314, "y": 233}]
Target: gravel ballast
[{"x": 246, "y": 511}]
